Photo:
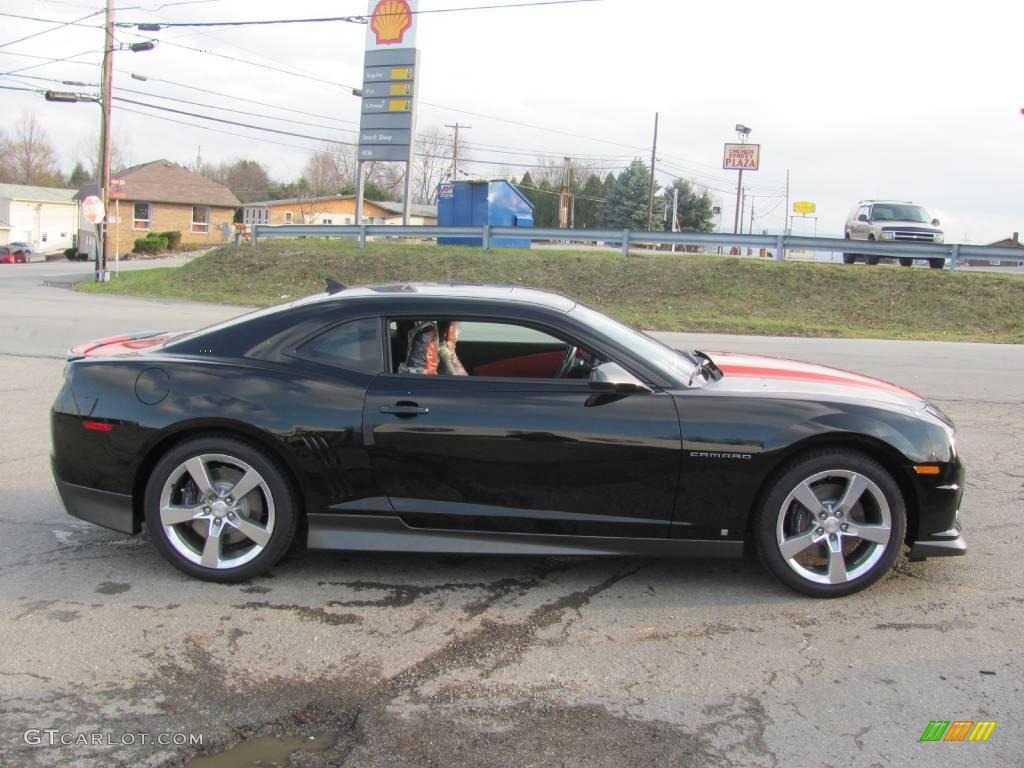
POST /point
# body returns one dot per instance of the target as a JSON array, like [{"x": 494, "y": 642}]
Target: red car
[{"x": 11, "y": 255}]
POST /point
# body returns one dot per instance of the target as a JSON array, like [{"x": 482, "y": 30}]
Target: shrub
[
  {"x": 151, "y": 244},
  {"x": 71, "y": 254},
  {"x": 173, "y": 238}
]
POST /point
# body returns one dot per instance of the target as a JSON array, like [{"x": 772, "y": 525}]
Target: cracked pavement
[{"x": 437, "y": 660}]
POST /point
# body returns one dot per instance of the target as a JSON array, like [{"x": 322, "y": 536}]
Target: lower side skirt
[{"x": 390, "y": 534}]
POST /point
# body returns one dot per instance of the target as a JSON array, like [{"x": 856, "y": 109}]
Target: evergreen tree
[
  {"x": 526, "y": 187},
  {"x": 545, "y": 208},
  {"x": 79, "y": 176},
  {"x": 694, "y": 213},
  {"x": 625, "y": 207},
  {"x": 587, "y": 208}
]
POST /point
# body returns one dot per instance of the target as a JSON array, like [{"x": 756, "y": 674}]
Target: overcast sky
[{"x": 909, "y": 100}]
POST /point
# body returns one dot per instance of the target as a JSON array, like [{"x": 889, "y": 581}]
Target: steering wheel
[{"x": 567, "y": 362}]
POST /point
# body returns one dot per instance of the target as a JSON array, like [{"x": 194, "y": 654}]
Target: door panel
[{"x": 526, "y": 456}]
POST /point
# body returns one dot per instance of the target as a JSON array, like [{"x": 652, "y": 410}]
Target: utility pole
[
  {"x": 785, "y": 212},
  {"x": 741, "y": 209},
  {"x": 654, "y": 159},
  {"x": 563, "y": 202},
  {"x": 751, "y": 230},
  {"x": 673, "y": 227},
  {"x": 108, "y": 72},
  {"x": 742, "y": 131},
  {"x": 455, "y": 148}
]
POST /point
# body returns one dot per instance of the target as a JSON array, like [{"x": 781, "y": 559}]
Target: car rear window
[{"x": 354, "y": 345}]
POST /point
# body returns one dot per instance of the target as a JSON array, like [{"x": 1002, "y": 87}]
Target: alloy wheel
[{"x": 217, "y": 511}]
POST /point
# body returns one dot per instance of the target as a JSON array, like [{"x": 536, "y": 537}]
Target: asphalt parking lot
[{"x": 419, "y": 661}]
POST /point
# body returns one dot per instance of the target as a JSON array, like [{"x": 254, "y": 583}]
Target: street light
[{"x": 66, "y": 97}]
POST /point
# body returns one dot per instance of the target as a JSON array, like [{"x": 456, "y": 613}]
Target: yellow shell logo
[{"x": 391, "y": 18}]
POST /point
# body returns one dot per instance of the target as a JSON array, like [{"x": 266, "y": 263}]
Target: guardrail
[{"x": 953, "y": 253}]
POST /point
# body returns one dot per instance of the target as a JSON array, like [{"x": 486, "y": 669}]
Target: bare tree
[
  {"x": 92, "y": 147},
  {"x": 322, "y": 173},
  {"x": 28, "y": 155},
  {"x": 433, "y": 163}
]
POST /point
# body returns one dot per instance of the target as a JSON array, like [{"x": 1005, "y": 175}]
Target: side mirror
[
  {"x": 935, "y": 222},
  {"x": 612, "y": 377},
  {"x": 862, "y": 217}
]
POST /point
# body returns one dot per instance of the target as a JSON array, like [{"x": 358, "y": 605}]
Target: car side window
[
  {"x": 355, "y": 346},
  {"x": 484, "y": 349}
]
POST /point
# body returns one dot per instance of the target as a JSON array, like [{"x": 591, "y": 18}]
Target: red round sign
[{"x": 92, "y": 209}]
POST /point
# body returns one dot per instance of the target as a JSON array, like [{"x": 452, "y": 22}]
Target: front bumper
[
  {"x": 946, "y": 544},
  {"x": 111, "y": 510}
]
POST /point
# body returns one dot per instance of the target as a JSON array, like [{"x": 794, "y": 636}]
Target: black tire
[
  {"x": 783, "y": 521},
  {"x": 268, "y": 510},
  {"x": 936, "y": 263},
  {"x": 871, "y": 260},
  {"x": 849, "y": 258},
  {"x": 906, "y": 262}
]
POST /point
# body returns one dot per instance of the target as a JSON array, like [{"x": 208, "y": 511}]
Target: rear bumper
[{"x": 111, "y": 510}]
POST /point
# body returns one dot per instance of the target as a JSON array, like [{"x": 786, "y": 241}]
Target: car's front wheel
[
  {"x": 220, "y": 509},
  {"x": 831, "y": 524}
]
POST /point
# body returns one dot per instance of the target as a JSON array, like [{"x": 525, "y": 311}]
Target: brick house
[
  {"x": 161, "y": 196},
  {"x": 333, "y": 209}
]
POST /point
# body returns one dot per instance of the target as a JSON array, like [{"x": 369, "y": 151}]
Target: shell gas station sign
[{"x": 390, "y": 82}]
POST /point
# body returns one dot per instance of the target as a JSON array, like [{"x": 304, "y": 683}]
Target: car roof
[{"x": 510, "y": 293}]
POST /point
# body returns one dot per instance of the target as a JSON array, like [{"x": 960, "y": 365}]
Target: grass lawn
[{"x": 658, "y": 291}]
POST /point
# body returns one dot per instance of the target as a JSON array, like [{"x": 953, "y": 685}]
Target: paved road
[{"x": 414, "y": 661}]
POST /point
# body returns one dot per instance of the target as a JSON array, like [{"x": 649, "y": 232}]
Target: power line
[
  {"x": 363, "y": 19},
  {"x": 51, "y": 29},
  {"x": 233, "y": 122},
  {"x": 52, "y": 61}
]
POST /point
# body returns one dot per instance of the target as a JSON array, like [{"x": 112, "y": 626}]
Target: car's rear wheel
[
  {"x": 831, "y": 524},
  {"x": 936, "y": 263},
  {"x": 220, "y": 509},
  {"x": 906, "y": 262}
]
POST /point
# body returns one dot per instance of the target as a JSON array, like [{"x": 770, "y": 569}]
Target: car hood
[{"x": 771, "y": 375}]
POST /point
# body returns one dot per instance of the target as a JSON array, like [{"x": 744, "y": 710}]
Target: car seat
[
  {"x": 422, "y": 354},
  {"x": 449, "y": 364}
]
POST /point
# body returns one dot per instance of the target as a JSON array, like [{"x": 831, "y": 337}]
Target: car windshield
[
  {"x": 896, "y": 212},
  {"x": 671, "y": 362}
]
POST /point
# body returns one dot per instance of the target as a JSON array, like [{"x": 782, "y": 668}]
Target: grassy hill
[{"x": 658, "y": 291}]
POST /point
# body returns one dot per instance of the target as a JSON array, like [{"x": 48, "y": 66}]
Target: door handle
[{"x": 404, "y": 409}]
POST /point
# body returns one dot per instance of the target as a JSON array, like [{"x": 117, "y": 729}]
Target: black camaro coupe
[{"x": 498, "y": 420}]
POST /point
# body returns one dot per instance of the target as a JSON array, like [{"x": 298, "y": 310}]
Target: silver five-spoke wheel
[
  {"x": 220, "y": 509},
  {"x": 217, "y": 511},
  {"x": 834, "y": 526},
  {"x": 831, "y": 524}
]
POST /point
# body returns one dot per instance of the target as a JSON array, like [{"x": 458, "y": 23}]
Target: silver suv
[{"x": 887, "y": 220}]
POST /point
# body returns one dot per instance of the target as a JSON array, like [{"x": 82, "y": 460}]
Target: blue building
[{"x": 475, "y": 203}]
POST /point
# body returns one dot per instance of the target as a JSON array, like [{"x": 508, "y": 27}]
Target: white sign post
[{"x": 93, "y": 211}]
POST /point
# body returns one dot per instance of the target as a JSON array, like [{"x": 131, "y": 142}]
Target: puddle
[{"x": 264, "y": 752}]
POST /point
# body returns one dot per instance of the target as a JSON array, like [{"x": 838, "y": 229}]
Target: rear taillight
[
  {"x": 98, "y": 426},
  {"x": 84, "y": 349}
]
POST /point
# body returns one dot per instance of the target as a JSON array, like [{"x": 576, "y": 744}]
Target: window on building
[
  {"x": 348, "y": 219},
  {"x": 328, "y": 221},
  {"x": 287, "y": 217},
  {"x": 142, "y": 218},
  {"x": 200, "y": 218}
]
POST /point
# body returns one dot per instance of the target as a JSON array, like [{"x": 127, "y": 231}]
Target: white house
[{"x": 44, "y": 217}]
